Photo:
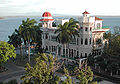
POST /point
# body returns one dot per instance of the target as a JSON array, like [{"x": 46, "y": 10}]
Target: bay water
[{"x": 8, "y": 25}]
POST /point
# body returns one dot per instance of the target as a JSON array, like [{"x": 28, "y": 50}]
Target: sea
[{"x": 9, "y": 24}]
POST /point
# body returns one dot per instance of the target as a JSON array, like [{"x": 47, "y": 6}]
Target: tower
[
  {"x": 47, "y": 20},
  {"x": 85, "y": 35},
  {"x": 85, "y": 16}
]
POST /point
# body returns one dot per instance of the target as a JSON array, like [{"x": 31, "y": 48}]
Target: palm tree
[
  {"x": 16, "y": 40},
  {"x": 38, "y": 39},
  {"x": 66, "y": 32},
  {"x": 28, "y": 32}
]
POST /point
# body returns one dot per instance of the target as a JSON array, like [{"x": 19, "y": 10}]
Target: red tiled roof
[
  {"x": 85, "y": 12},
  {"x": 96, "y": 18},
  {"x": 46, "y": 14},
  {"x": 46, "y": 19}
]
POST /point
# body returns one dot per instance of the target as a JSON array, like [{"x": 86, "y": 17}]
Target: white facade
[
  {"x": 83, "y": 46},
  {"x": 61, "y": 21}
]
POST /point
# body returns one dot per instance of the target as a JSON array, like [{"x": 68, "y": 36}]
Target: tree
[
  {"x": 16, "y": 40},
  {"x": 42, "y": 72},
  {"x": 85, "y": 75},
  {"x": 28, "y": 32},
  {"x": 114, "y": 47},
  {"x": 107, "y": 35},
  {"x": 98, "y": 41},
  {"x": 68, "y": 79},
  {"x": 91, "y": 59},
  {"x": 116, "y": 30},
  {"x": 7, "y": 51},
  {"x": 66, "y": 32},
  {"x": 38, "y": 40}
]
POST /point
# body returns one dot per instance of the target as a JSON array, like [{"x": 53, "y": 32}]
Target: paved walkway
[{"x": 12, "y": 71}]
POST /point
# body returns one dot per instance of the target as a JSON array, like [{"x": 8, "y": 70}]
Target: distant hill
[{"x": 1, "y": 17}]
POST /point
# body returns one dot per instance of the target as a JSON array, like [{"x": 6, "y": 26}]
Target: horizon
[{"x": 59, "y": 15}]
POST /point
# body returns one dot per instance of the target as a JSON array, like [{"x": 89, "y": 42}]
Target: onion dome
[{"x": 47, "y": 17}]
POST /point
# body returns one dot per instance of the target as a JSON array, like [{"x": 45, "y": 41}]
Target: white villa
[{"x": 89, "y": 42}]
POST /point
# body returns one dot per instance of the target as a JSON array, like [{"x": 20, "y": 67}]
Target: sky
[{"x": 65, "y": 7}]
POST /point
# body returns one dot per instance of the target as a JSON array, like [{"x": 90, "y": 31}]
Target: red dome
[
  {"x": 46, "y": 14},
  {"x": 85, "y": 12}
]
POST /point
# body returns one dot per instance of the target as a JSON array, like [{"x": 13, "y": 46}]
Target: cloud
[
  {"x": 5, "y": 1},
  {"x": 73, "y": 7},
  {"x": 18, "y": 6}
]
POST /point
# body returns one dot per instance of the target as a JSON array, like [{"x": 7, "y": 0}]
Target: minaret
[{"x": 47, "y": 20}]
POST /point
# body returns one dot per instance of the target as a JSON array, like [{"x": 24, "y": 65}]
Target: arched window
[
  {"x": 98, "y": 25},
  {"x": 90, "y": 28},
  {"x": 81, "y": 27},
  {"x": 81, "y": 41},
  {"x": 77, "y": 41},
  {"x": 52, "y": 48},
  {"x": 69, "y": 52},
  {"x": 72, "y": 53},
  {"x": 85, "y": 54},
  {"x": 86, "y": 41},
  {"x": 46, "y": 36},
  {"x": 77, "y": 53},
  {"x": 93, "y": 41},
  {"x": 46, "y": 47},
  {"x": 90, "y": 41},
  {"x": 81, "y": 55},
  {"x": 86, "y": 29},
  {"x": 66, "y": 52}
]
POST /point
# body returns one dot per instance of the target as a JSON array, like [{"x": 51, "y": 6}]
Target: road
[{"x": 12, "y": 71}]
